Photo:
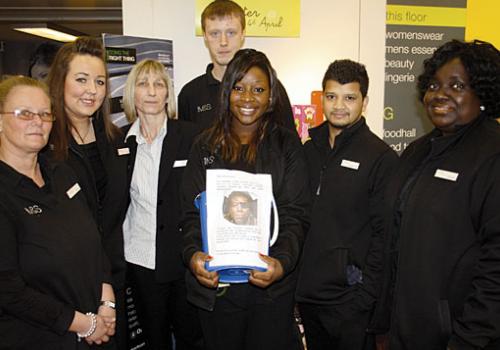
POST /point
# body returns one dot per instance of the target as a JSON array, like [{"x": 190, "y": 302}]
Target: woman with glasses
[
  {"x": 86, "y": 139},
  {"x": 51, "y": 260}
]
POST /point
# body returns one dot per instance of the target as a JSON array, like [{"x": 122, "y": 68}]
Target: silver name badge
[
  {"x": 446, "y": 175},
  {"x": 349, "y": 164}
]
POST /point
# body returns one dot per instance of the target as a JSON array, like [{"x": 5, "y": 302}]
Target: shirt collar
[
  {"x": 12, "y": 178},
  {"x": 320, "y": 134},
  {"x": 135, "y": 130},
  {"x": 9, "y": 176},
  {"x": 210, "y": 76}
]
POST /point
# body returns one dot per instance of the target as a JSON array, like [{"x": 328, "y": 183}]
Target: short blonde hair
[
  {"x": 144, "y": 68},
  {"x": 8, "y": 83}
]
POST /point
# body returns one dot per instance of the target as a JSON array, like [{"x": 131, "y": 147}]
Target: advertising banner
[
  {"x": 415, "y": 29},
  {"x": 275, "y": 18}
]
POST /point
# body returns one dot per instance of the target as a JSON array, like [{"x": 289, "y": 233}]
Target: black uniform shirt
[
  {"x": 347, "y": 182},
  {"x": 198, "y": 99},
  {"x": 51, "y": 260}
]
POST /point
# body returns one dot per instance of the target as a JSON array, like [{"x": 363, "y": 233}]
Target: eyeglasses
[{"x": 25, "y": 114}]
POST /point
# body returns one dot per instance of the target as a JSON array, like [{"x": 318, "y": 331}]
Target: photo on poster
[
  {"x": 238, "y": 218},
  {"x": 240, "y": 208}
]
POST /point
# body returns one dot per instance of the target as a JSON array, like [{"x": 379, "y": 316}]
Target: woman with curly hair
[{"x": 445, "y": 217}]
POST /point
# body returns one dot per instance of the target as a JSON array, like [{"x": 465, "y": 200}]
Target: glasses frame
[{"x": 19, "y": 113}]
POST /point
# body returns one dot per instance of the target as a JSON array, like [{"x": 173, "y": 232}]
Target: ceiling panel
[{"x": 91, "y": 17}]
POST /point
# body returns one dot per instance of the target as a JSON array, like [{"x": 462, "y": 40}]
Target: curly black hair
[{"x": 481, "y": 61}]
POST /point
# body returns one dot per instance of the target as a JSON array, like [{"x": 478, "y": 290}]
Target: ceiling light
[{"x": 50, "y": 31}]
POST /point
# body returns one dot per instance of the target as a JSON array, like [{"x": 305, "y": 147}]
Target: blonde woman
[{"x": 159, "y": 147}]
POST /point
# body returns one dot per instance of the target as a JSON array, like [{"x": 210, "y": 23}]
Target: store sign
[
  {"x": 273, "y": 18},
  {"x": 414, "y": 30}
]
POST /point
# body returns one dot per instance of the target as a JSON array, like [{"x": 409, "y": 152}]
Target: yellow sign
[
  {"x": 482, "y": 21},
  {"x": 275, "y": 18},
  {"x": 426, "y": 16}
]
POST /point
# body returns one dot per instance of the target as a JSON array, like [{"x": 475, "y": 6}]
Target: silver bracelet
[{"x": 93, "y": 326}]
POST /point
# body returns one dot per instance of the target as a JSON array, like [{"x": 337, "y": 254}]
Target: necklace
[{"x": 82, "y": 139}]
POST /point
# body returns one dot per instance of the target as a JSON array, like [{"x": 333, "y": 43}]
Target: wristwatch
[{"x": 108, "y": 303}]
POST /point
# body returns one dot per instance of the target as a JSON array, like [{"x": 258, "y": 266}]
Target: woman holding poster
[{"x": 247, "y": 136}]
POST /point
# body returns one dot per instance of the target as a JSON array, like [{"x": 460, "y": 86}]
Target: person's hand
[
  {"x": 382, "y": 341},
  {"x": 197, "y": 266},
  {"x": 109, "y": 316},
  {"x": 100, "y": 334},
  {"x": 265, "y": 278}
]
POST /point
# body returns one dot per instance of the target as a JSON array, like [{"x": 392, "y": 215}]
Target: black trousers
[
  {"x": 120, "y": 336},
  {"x": 162, "y": 309},
  {"x": 245, "y": 317},
  {"x": 336, "y": 327}
]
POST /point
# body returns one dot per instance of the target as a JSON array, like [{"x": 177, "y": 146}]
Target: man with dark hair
[
  {"x": 223, "y": 24},
  {"x": 41, "y": 60},
  {"x": 343, "y": 255}
]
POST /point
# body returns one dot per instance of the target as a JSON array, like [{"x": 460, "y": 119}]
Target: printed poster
[
  {"x": 238, "y": 218},
  {"x": 305, "y": 117}
]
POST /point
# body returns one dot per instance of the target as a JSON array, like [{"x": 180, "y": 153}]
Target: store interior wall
[{"x": 330, "y": 29}]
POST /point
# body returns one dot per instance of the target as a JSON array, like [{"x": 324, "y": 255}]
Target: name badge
[
  {"x": 73, "y": 190},
  {"x": 123, "y": 151},
  {"x": 349, "y": 164},
  {"x": 180, "y": 163},
  {"x": 446, "y": 175}
]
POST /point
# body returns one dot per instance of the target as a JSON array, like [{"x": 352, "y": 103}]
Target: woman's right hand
[
  {"x": 197, "y": 266},
  {"x": 82, "y": 324},
  {"x": 100, "y": 334}
]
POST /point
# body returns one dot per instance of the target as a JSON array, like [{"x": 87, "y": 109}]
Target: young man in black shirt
[
  {"x": 223, "y": 24},
  {"x": 343, "y": 253}
]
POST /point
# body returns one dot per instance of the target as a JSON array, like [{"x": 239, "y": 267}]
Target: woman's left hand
[
  {"x": 109, "y": 316},
  {"x": 265, "y": 278},
  {"x": 108, "y": 313}
]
